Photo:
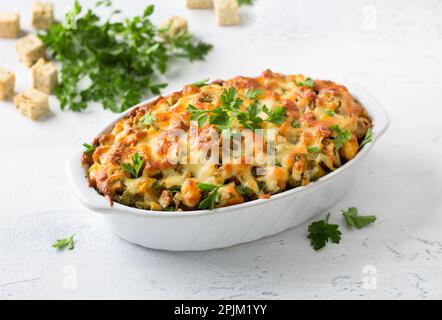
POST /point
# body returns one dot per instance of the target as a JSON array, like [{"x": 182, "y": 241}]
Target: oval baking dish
[{"x": 227, "y": 226}]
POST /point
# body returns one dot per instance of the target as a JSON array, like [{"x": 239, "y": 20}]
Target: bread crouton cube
[
  {"x": 175, "y": 25},
  {"x": 30, "y": 49},
  {"x": 227, "y": 12},
  {"x": 42, "y": 15},
  {"x": 7, "y": 84},
  {"x": 32, "y": 103},
  {"x": 44, "y": 76},
  {"x": 199, "y": 4},
  {"x": 9, "y": 25}
]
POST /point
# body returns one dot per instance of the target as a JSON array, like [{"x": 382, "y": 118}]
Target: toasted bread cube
[
  {"x": 30, "y": 49},
  {"x": 227, "y": 12},
  {"x": 44, "y": 76},
  {"x": 9, "y": 25},
  {"x": 32, "y": 103},
  {"x": 42, "y": 15},
  {"x": 199, "y": 4},
  {"x": 175, "y": 25},
  {"x": 7, "y": 84}
]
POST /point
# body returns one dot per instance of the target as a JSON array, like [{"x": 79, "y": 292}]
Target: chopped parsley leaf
[
  {"x": 320, "y": 232},
  {"x": 134, "y": 168},
  {"x": 340, "y": 136},
  {"x": 212, "y": 196},
  {"x": 353, "y": 219},
  {"x": 89, "y": 148},
  {"x": 252, "y": 94},
  {"x": 367, "y": 139},
  {"x": 277, "y": 116}
]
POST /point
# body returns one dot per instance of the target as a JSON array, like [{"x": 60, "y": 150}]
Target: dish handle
[{"x": 77, "y": 178}]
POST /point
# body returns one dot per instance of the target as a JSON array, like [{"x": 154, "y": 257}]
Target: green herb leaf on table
[
  {"x": 320, "y": 232},
  {"x": 340, "y": 136},
  {"x": 199, "y": 115},
  {"x": 134, "y": 168},
  {"x": 121, "y": 60},
  {"x": 200, "y": 83},
  {"x": 62, "y": 244},
  {"x": 89, "y": 148},
  {"x": 367, "y": 139},
  {"x": 353, "y": 219}
]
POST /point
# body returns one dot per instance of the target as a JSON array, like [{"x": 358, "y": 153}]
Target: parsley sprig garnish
[
  {"x": 320, "y": 232},
  {"x": 134, "y": 168},
  {"x": 230, "y": 101},
  {"x": 121, "y": 58},
  {"x": 277, "y": 116},
  {"x": 65, "y": 243},
  {"x": 89, "y": 148},
  {"x": 340, "y": 136},
  {"x": 367, "y": 139},
  {"x": 200, "y": 115},
  {"x": 250, "y": 119},
  {"x": 212, "y": 195},
  {"x": 221, "y": 116},
  {"x": 353, "y": 219}
]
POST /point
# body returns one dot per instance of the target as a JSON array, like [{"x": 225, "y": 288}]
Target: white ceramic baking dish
[{"x": 228, "y": 226}]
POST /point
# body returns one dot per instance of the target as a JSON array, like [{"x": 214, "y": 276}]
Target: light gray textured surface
[{"x": 393, "y": 48}]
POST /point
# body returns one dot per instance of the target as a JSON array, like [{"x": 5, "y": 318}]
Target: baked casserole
[{"x": 278, "y": 131}]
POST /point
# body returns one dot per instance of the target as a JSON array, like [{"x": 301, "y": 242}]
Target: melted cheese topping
[{"x": 304, "y": 146}]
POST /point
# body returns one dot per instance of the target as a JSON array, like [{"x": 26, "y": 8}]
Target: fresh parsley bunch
[{"x": 119, "y": 61}]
